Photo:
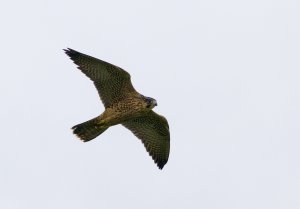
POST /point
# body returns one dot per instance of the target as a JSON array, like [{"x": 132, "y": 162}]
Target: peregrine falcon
[{"x": 123, "y": 105}]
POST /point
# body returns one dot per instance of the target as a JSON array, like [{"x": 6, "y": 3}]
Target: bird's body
[
  {"x": 124, "y": 110},
  {"x": 123, "y": 105}
]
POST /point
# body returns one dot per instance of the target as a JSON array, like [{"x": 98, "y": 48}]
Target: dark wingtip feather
[
  {"x": 160, "y": 164},
  {"x": 71, "y": 52}
]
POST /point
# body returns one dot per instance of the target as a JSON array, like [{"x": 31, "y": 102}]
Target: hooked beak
[{"x": 155, "y": 103}]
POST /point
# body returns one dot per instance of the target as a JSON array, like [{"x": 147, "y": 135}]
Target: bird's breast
[{"x": 123, "y": 111}]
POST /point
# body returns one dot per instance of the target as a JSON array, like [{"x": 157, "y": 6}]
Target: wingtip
[
  {"x": 70, "y": 51},
  {"x": 160, "y": 164}
]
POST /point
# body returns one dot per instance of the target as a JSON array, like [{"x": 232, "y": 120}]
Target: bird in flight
[{"x": 123, "y": 105}]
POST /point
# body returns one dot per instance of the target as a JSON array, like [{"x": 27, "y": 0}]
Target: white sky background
[{"x": 224, "y": 73}]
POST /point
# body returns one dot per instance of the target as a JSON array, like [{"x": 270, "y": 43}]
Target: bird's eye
[{"x": 149, "y": 101}]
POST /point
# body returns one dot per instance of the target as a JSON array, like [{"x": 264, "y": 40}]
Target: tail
[{"x": 89, "y": 130}]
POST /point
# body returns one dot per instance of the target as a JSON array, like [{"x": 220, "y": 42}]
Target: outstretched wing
[
  {"x": 113, "y": 83},
  {"x": 153, "y": 130}
]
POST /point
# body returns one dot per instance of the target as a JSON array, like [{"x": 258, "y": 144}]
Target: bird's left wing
[
  {"x": 153, "y": 130},
  {"x": 112, "y": 82}
]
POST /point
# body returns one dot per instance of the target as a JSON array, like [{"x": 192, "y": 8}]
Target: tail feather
[{"x": 88, "y": 130}]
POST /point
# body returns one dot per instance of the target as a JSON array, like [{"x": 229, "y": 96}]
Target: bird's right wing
[
  {"x": 112, "y": 82},
  {"x": 153, "y": 130}
]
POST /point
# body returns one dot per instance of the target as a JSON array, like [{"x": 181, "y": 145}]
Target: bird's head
[{"x": 151, "y": 103}]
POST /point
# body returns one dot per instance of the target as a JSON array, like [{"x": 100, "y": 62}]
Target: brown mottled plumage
[{"x": 123, "y": 105}]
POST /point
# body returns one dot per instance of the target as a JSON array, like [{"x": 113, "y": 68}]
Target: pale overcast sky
[{"x": 224, "y": 73}]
